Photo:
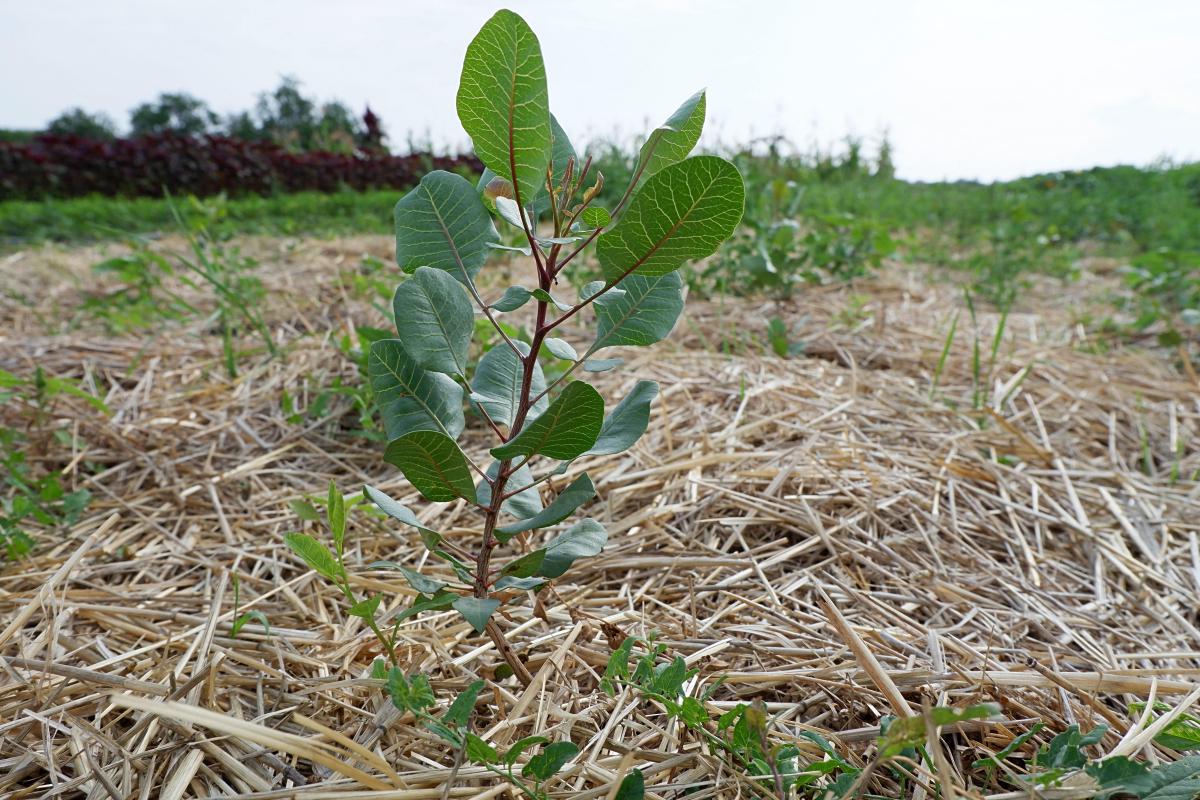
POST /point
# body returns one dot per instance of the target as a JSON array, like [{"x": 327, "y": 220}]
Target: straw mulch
[{"x": 825, "y": 532}]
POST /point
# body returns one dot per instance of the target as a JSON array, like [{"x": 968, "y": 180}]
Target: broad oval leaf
[
  {"x": 526, "y": 566},
  {"x": 496, "y": 384},
  {"x": 585, "y": 538},
  {"x": 550, "y": 761},
  {"x": 568, "y": 428},
  {"x": 579, "y": 492},
  {"x": 674, "y": 139},
  {"x": 410, "y": 398},
  {"x": 560, "y": 349},
  {"x": 520, "y": 746},
  {"x": 633, "y": 786},
  {"x": 643, "y": 314},
  {"x": 682, "y": 213},
  {"x": 443, "y": 224},
  {"x": 433, "y": 464},
  {"x": 459, "y": 712},
  {"x": 504, "y": 105},
  {"x": 627, "y": 422},
  {"x": 525, "y": 503},
  {"x": 434, "y": 320},
  {"x": 476, "y": 610},
  {"x": 513, "y": 298}
]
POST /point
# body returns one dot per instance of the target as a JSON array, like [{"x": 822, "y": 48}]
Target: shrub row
[{"x": 71, "y": 166}]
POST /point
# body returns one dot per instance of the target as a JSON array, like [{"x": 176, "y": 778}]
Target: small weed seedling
[{"x": 676, "y": 208}]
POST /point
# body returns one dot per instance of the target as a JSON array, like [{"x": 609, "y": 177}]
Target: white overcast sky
[{"x": 967, "y": 89}]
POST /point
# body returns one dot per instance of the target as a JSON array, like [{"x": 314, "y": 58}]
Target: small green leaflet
[
  {"x": 443, "y": 224},
  {"x": 907, "y": 732},
  {"x": 434, "y": 320},
  {"x": 520, "y": 746},
  {"x": 422, "y": 584},
  {"x": 480, "y": 751},
  {"x": 496, "y": 384},
  {"x": 681, "y": 213},
  {"x": 644, "y": 314},
  {"x": 442, "y": 599},
  {"x": 550, "y": 761},
  {"x": 626, "y": 423},
  {"x": 633, "y": 787},
  {"x": 366, "y": 609},
  {"x": 410, "y": 398},
  {"x": 595, "y": 217},
  {"x": 560, "y": 349},
  {"x": 315, "y": 555},
  {"x": 579, "y": 492},
  {"x": 459, "y": 712},
  {"x": 585, "y": 538},
  {"x": 545, "y": 297},
  {"x": 433, "y": 464},
  {"x": 476, "y": 610},
  {"x": 674, "y": 139},
  {"x": 503, "y": 103},
  {"x": 513, "y": 298},
  {"x": 567, "y": 429},
  {"x": 602, "y": 364}
]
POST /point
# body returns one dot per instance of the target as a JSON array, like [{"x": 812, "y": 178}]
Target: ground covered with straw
[{"x": 845, "y": 534}]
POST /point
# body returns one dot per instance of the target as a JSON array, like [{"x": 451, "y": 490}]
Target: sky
[{"x": 964, "y": 89}]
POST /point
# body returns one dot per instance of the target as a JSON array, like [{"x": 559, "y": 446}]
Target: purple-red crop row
[{"x": 70, "y": 166}]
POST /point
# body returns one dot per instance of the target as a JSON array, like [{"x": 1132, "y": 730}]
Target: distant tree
[
  {"x": 77, "y": 122},
  {"x": 173, "y": 113},
  {"x": 338, "y": 130},
  {"x": 287, "y": 116},
  {"x": 884, "y": 165},
  {"x": 242, "y": 125}
]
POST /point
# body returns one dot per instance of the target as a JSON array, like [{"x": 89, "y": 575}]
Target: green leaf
[
  {"x": 567, "y": 429},
  {"x": 595, "y": 217},
  {"x": 907, "y": 732},
  {"x": 336, "y": 509},
  {"x": 526, "y": 566},
  {"x": 583, "y": 539},
  {"x": 434, "y": 320},
  {"x": 674, "y": 139},
  {"x": 476, "y": 610},
  {"x": 433, "y": 464},
  {"x": 618, "y": 666},
  {"x": 443, "y": 224},
  {"x": 627, "y": 422},
  {"x": 411, "y": 399},
  {"x": 316, "y": 555},
  {"x": 579, "y": 492},
  {"x": 513, "y": 298},
  {"x": 1182, "y": 734},
  {"x": 421, "y": 583},
  {"x": 503, "y": 103},
  {"x": 525, "y": 503},
  {"x": 444, "y": 732},
  {"x": 644, "y": 314},
  {"x": 401, "y": 512},
  {"x": 550, "y": 761},
  {"x": 682, "y": 213},
  {"x": 379, "y": 669},
  {"x": 602, "y": 364},
  {"x": 409, "y": 694},
  {"x": 480, "y": 751},
  {"x": 422, "y": 603},
  {"x": 522, "y": 584},
  {"x": 520, "y": 746},
  {"x": 560, "y": 349},
  {"x": 255, "y": 616},
  {"x": 545, "y": 297},
  {"x": 496, "y": 384},
  {"x": 459, "y": 712},
  {"x": 633, "y": 786},
  {"x": 366, "y": 609},
  {"x": 1177, "y": 781}
]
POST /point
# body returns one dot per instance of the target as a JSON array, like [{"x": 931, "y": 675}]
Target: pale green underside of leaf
[
  {"x": 681, "y": 213},
  {"x": 397, "y": 510},
  {"x": 627, "y": 422},
  {"x": 583, "y": 539},
  {"x": 315, "y": 555},
  {"x": 579, "y": 492},
  {"x": 497, "y": 383},
  {"x": 568, "y": 428},
  {"x": 434, "y": 320},
  {"x": 513, "y": 298},
  {"x": 674, "y": 139},
  {"x": 643, "y": 315},
  {"x": 442, "y": 223},
  {"x": 525, "y": 503},
  {"x": 504, "y": 105},
  {"x": 432, "y": 463},
  {"x": 411, "y": 399}
]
